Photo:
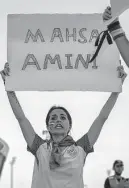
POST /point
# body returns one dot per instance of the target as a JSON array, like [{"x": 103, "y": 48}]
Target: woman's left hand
[{"x": 121, "y": 73}]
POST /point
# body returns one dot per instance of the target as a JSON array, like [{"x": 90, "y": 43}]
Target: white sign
[{"x": 51, "y": 52}]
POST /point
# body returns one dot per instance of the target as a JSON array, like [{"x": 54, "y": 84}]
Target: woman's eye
[
  {"x": 63, "y": 118},
  {"x": 53, "y": 118}
]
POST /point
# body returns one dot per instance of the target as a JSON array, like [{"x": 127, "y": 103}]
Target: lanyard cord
[{"x": 99, "y": 44}]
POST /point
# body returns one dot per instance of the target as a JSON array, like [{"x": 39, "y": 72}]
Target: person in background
[
  {"x": 4, "y": 149},
  {"x": 117, "y": 181},
  {"x": 59, "y": 161},
  {"x": 118, "y": 35}
]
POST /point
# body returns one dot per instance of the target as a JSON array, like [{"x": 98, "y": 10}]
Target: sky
[{"x": 83, "y": 106}]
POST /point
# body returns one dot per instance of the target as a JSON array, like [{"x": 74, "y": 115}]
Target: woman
[
  {"x": 117, "y": 180},
  {"x": 59, "y": 161},
  {"x": 118, "y": 35}
]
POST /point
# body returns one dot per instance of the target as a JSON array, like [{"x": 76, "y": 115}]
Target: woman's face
[
  {"x": 58, "y": 122},
  {"x": 119, "y": 169}
]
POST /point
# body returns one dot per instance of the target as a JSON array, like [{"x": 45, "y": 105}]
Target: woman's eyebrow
[
  {"x": 54, "y": 115},
  {"x": 62, "y": 114}
]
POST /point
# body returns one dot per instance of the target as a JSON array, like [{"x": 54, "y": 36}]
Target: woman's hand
[
  {"x": 121, "y": 73},
  {"x": 107, "y": 15},
  {"x": 5, "y": 72}
]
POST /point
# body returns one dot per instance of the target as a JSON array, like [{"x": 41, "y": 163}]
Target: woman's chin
[{"x": 57, "y": 131}]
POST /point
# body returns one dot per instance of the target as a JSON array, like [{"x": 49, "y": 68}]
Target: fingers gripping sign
[
  {"x": 7, "y": 69},
  {"x": 107, "y": 15},
  {"x": 5, "y": 72},
  {"x": 121, "y": 73},
  {"x": 117, "y": 7}
]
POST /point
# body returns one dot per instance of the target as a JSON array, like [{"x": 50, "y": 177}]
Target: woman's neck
[
  {"x": 117, "y": 175},
  {"x": 58, "y": 137}
]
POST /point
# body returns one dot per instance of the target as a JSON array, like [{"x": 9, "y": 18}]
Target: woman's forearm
[
  {"x": 15, "y": 105},
  {"x": 123, "y": 46},
  {"x": 119, "y": 36},
  {"x": 25, "y": 125},
  {"x": 97, "y": 125},
  {"x": 107, "y": 108}
]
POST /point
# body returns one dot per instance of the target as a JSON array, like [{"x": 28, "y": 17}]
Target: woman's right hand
[
  {"x": 107, "y": 15},
  {"x": 5, "y": 72}
]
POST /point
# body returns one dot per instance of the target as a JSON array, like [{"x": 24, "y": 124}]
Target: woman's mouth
[{"x": 58, "y": 126}]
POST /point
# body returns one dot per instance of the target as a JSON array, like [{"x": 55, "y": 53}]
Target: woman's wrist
[
  {"x": 114, "y": 26},
  {"x": 115, "y": 93},
  {"x": 116, "y": 30}
]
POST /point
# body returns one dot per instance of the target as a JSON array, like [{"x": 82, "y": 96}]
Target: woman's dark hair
[{"x": 62, "y": 108}]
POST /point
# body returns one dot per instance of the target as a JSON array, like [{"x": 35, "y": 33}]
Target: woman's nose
[{"x": 58, "y": 120}]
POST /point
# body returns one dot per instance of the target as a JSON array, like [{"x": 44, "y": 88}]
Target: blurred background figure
[
  {"x": 108, "y": 172},
  {"x": 12, "y": 162},
  {"x": 116, "y": 181},
  {"x": 46, "y": 134},
  {"x": 4, "y": 149}
]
